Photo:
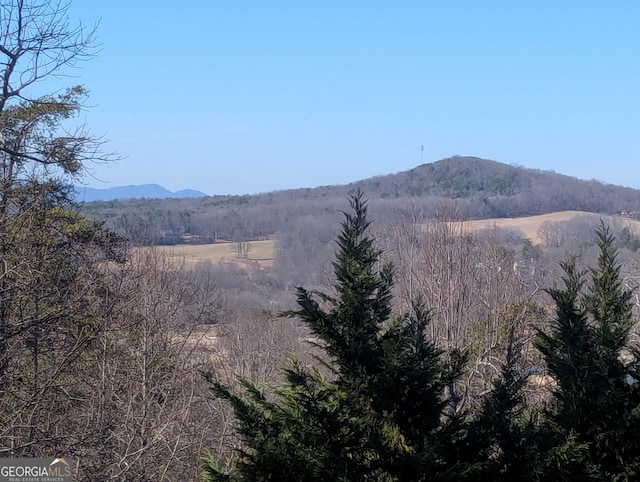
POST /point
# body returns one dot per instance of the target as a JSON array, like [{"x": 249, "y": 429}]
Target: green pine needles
[
  {"x": 384, "y": 411},
  {"x": 592, "y": 428}
]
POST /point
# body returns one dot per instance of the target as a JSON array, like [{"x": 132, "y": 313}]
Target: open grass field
[
  {"x": 261, "y": 253},
  {"x": 531, "y": 224}
]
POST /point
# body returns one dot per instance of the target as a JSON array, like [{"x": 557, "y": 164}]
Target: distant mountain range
[{"x": 146, "y": 191}]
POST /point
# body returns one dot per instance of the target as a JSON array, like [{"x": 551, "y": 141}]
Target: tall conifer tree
[
  {"x": 380, "y": 414},
  {"x": 593, "y": 426}
]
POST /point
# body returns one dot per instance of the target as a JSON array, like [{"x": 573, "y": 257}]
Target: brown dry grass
[
  {"x": 261, "y": 253},
  {"x": 531, "y": 224}
]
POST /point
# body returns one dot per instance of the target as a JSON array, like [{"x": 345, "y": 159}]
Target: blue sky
[{"x": 240, "y": 96}]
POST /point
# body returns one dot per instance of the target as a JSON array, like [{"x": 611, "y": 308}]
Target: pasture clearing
[
  {"x": 530, "y": 225},
  {"x": 261, "y": 253}
]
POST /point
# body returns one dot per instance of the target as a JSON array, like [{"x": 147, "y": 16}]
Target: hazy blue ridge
[{"x": 148, "y": 191}]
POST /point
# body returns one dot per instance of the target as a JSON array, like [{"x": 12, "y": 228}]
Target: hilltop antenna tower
[{"x": 422, "y": 154}]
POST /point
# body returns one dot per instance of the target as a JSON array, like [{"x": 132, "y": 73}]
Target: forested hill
[
  {"x": 475, "y": 188},
  {"x": 504, "y": 190}
]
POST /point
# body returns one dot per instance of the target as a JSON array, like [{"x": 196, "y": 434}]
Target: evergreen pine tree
[
  {"x": 592, "y": 427},
  {"x": 380, "y": 415},
  {"x": 504, "y": 432}
]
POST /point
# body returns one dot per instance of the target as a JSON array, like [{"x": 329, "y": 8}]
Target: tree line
[{"x": 479, "y": 189}]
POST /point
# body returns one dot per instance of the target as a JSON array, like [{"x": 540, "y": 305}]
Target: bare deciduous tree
[
  {"x": 38, "y": 42},
  {"x": 52, "y": 296},
  {"x": 472, "y": 283},
  {"x": 241, "y": 249},
  {"x": 147, "y": 403}
]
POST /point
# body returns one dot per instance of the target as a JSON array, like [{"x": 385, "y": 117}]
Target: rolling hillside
[
  {"x": 474, "y": 188},
  {"x": 262, "y": 253}
]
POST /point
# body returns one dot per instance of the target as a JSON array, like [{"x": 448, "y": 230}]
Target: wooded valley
[{"x": 362, "y": 332}]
